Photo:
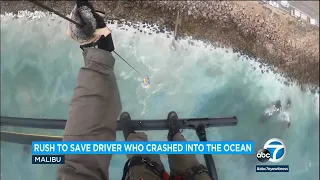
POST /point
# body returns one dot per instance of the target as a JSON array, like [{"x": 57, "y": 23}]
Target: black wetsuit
[{"x": 274, "y": 111}]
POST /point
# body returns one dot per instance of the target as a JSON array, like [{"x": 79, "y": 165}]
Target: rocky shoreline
[{"x": 254, "y": 29}]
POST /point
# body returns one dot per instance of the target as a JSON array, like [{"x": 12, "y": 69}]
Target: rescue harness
[{"x": 160, "y": 171}]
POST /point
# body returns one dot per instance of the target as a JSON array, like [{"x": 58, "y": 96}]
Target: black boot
[
  {"x": 127, "y": 128},
  {"x": 173, "y": 123}
]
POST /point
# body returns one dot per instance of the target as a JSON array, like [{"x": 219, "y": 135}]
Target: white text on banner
[{"x": 158, "y": 147}]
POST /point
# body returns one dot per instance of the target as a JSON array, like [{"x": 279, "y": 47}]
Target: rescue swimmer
[{"x": 276, "y": 110}]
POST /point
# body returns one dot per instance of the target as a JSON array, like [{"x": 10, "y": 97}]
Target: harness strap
[
  {"x": 151, "y": 165},
  {"x": 191, "y": 172},
  {"x": 90, "y": 45}
]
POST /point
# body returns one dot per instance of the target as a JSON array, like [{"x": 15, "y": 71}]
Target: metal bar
[
  {"x": 202, "y": 135},
  {"x": 139, "y": 125},
  {"x": 56, "y": 12}
]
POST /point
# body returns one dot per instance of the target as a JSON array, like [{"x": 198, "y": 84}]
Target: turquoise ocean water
[{"x": 39, "y": 64}]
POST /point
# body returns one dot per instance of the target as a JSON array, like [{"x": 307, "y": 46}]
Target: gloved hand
[{"x": 93, "y": 32}]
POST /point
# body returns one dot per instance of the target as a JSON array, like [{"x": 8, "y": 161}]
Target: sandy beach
[{"x": 255, "y": 30}]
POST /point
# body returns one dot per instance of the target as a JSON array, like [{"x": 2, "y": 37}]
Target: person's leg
[
  {"x": 180, "y": 163},
  {"x": 139, "y": 171}
]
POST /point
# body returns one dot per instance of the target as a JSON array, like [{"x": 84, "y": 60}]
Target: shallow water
[{"x": 39, "y": 65}]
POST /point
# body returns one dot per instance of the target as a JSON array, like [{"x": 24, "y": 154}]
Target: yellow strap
[{"x": 27, "y": 134}]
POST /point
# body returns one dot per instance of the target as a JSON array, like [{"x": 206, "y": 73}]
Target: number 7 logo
[{"x": 277, "y": 149}]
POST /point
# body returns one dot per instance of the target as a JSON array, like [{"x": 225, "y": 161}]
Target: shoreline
[{"x": 254, "y": 30}]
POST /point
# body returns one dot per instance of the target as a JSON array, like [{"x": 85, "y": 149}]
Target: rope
[{"x": 127, "y": 63}]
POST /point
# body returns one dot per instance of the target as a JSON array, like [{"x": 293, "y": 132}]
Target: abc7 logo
[{"x": 274, "y": 151}]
